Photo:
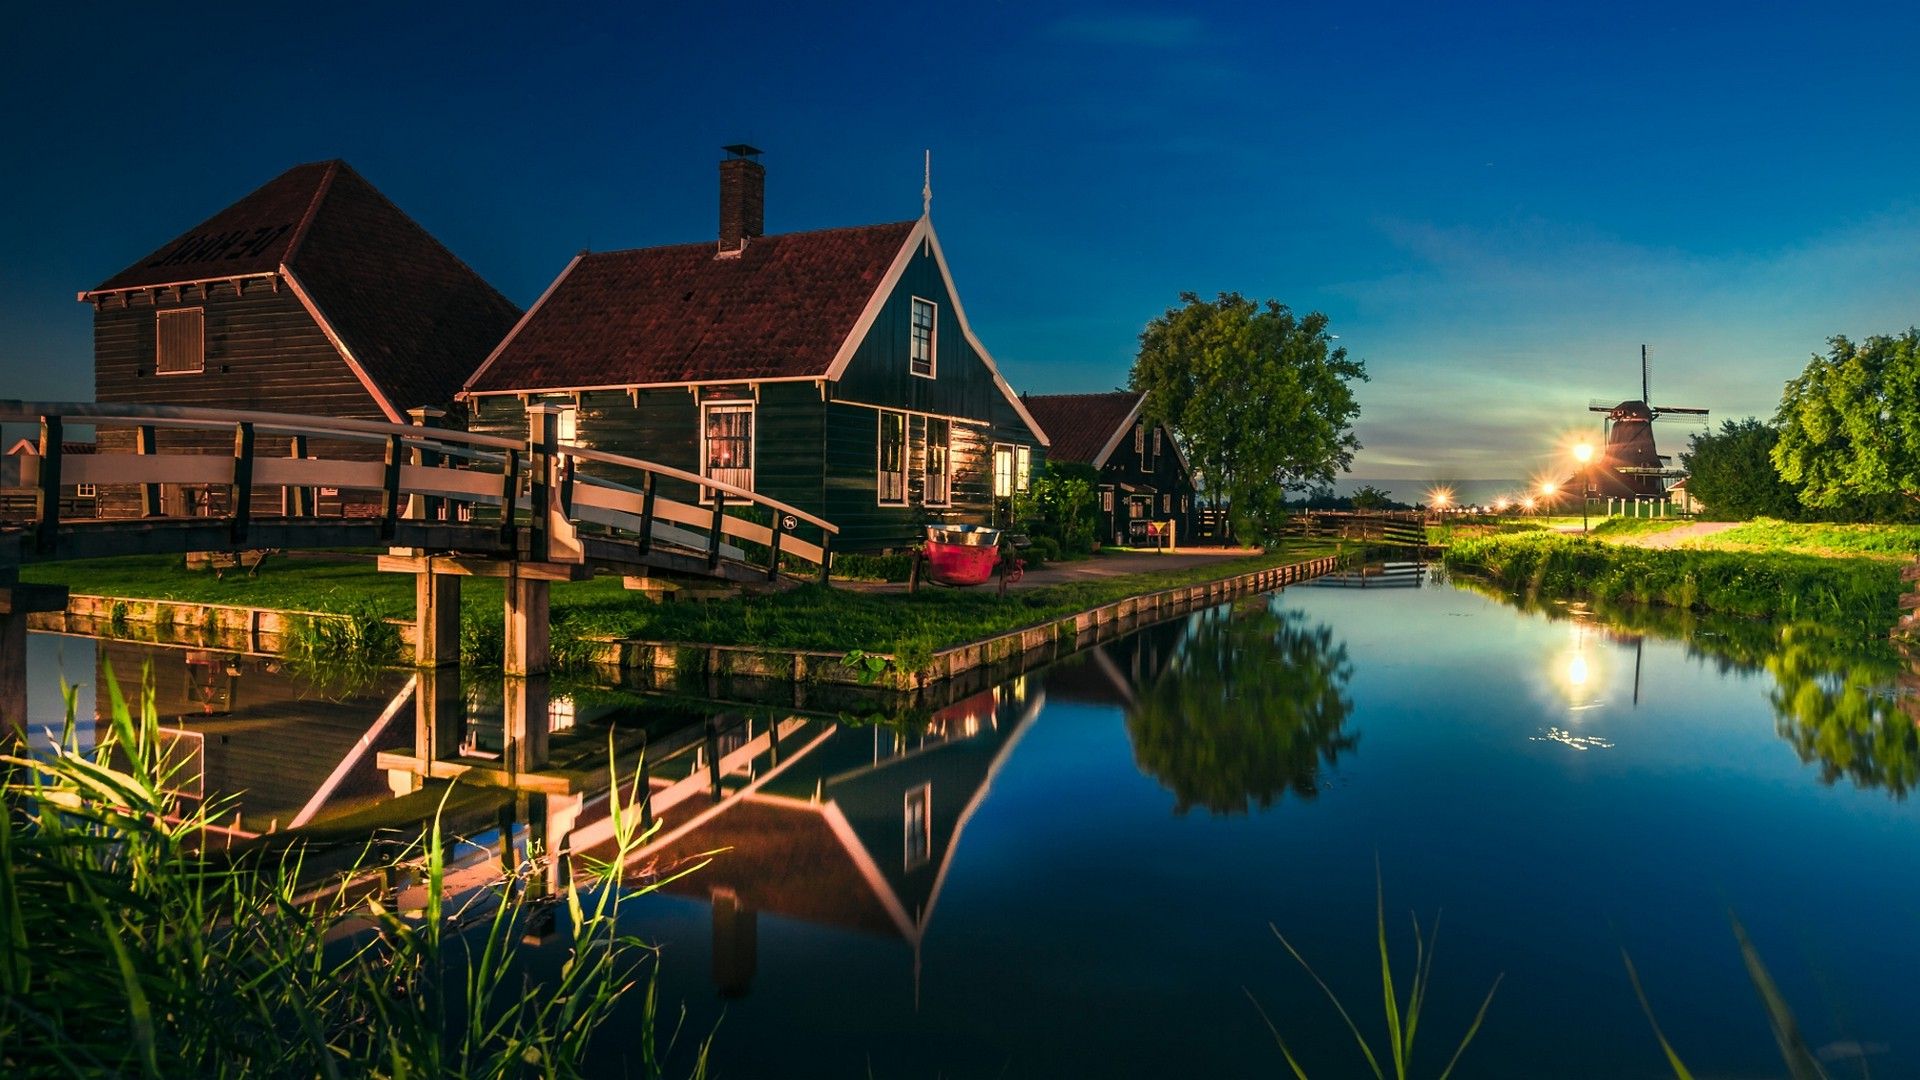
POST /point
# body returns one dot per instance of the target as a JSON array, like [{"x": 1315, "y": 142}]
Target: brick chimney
[{"x": 743, "y": 197}]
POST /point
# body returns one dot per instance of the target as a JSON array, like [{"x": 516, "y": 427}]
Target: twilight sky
[{"x": 1495, "y": 207}]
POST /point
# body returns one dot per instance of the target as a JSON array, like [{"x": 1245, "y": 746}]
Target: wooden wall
[
  {"x": 263, "y": 352},
  {"x": 1162, "y": 474}
]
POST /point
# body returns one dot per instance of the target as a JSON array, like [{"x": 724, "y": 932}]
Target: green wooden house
[{"x": 834, "y": 370}]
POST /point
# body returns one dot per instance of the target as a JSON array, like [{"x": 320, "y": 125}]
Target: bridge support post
[
  {"x": 436, "y": 605},
  {"x": 525, "y": 722},
  {"x": 526, "y": 627}
]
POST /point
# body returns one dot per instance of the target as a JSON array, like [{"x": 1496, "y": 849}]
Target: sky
[{"x": 1495, "y": 205}]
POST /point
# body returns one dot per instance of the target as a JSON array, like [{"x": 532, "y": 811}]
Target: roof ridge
[
  {"x": 908, "y": 224},
  {"x": 424, "y": 231},
  {"x": 313, "y": 209}
]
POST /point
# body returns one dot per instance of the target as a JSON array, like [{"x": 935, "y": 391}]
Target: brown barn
[{"x": 314, "y": 294}]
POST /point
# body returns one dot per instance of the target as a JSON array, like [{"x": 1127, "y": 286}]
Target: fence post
[
  {"x": 773, "y": 557},
  {"x": 143, "y": 444},
  {"x": 241, "y": 497},
  {"x": 646, "y": 513},
  {"x": 299, "y": 497},
  {"x": 826, "y": 557},
  {"x": 425, "y": 507},
  {"x": 543, "y": 460},
  {"x": 46, "y": 500},
  {"x": 713, "y": 533},
  {"x": 390, "y": 488}
]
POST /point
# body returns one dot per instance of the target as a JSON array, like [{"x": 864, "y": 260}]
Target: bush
[{"x": 1045, "y": 549}]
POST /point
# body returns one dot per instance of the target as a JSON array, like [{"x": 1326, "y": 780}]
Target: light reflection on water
[{"x": 1074, "y": 873}]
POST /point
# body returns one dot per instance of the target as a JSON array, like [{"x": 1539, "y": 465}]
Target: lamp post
[{"x": 1583, "y": 453}]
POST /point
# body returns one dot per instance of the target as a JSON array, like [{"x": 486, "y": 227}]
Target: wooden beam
[
  {"x": 143, "y": 444},
  {"x": 46, "y": 509},
  {"x": 241, "y": 492}
]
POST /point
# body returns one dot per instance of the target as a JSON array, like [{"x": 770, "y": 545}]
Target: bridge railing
[{"x": 418, "y": 482}]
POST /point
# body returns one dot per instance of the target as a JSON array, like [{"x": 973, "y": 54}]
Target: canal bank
[{"x": 870, "y": 638}]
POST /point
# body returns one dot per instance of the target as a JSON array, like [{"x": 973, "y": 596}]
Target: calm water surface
[{"x": 1079, "y": 873}]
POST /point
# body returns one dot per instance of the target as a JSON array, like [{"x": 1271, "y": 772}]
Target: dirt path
[{"x": 1678, "y": 537}]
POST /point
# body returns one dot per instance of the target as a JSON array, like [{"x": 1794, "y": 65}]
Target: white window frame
[
  {"x": 1106, "y": 500},
  {"x": 918, "y": 799},
  {"x": 751, "y": 408},
  {"x": 1140, "y": 444},
  {"x": 567, "y": 426},
  {"x": 933, "y": 339},
  {"x": 160, "y": 316},
  {"x": 1022, "y": 467},
  {"x": 926, "y": 462},
  {"x": 879, "y": 457},
  {"x": 85, "y": 491},
  {"x": 1000, "y": 449}
]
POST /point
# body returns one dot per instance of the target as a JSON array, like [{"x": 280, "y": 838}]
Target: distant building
[
  {"x": 1144, "y": 477},
  {"x": 313, "y": 295},
  {"x": 833, "y": 370},
  {"x": 76, "y": 500}
]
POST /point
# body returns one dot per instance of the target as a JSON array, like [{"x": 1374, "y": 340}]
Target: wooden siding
[{"x": 263, "y": 352}]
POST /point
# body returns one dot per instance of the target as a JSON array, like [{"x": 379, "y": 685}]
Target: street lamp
[{"x": 1583, "y": 453}]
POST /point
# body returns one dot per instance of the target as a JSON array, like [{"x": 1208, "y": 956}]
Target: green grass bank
[
  {"x": 835, "y": 619},
  {"x": 1858, "y": 594}
]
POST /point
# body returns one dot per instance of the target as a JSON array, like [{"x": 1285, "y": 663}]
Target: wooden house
[
  {"x": 1143, "y": 476},
  {"x": 834, "y": 370},
  {"x": 314, "y": 294}
]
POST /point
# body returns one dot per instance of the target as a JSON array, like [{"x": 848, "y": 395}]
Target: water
[{"x": 1076, "y": 873}]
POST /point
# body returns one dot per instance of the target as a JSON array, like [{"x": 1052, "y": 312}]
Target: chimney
[{"x": 743, "y": 197}]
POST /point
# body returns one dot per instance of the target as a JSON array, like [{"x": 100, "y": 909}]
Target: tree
[
  {"x": 1062, "y": 502},
  {"x": 1256, "y": 397},
  {"x": 1372, "y": 498},
  {"x": 1732, "y": 472},
  {"x": 1850, "y": 424}
]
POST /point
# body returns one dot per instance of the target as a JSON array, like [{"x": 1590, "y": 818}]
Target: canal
[{"x": 1082, "y": 871}]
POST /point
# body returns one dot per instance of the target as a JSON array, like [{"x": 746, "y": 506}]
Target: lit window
[
  {"x": 1140, "y": 440},
  {"x": 1022, "y": 467},
  {"x": 727, "y": 450},
  {"x": 84, "y": 491},
  {"x": 1183, "y": 504},
  {"x": 939, "y": 478},
  {"x": 892, "y": 477},
  {"x": 180, "y": 342},
  {"x": 1002, "y": 471},
  {"x": 921, "y": 356},
  {"x": 568, "y": 425},
  {"x": 1106, "y": 499}
]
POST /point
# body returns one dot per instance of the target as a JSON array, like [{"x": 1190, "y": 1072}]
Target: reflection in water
[
  {"x": 1249, "y": 707},
  {"x": 1837, "y": 700}
]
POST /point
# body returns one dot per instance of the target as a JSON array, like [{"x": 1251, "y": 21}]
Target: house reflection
[{"x": 854, "y": 827}]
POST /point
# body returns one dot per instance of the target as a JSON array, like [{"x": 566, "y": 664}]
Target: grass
[
  {"x": 1626, "y": 526},
  {"x": 1897, "y": 542},
  {"x": 134, "y": 949},
  {"x": 1858, "y": 595},
  {"x": 809, "y": 617}
]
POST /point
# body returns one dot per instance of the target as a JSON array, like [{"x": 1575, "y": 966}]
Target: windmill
[{"x": 1630, "y": 466}]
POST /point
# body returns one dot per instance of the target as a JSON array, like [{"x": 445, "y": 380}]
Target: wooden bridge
[{"x": 445, "y": 503}]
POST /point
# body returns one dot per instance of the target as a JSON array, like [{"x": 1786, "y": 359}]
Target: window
[
  {"x": 180, "y": 342},
  {"x": 84, "y": 491},
  {"x": 1106, "y": 500},
  {"x": 1002, "y": 471},
  {"x": 1183, "y": 504},
  {"x": 1022, "y": 467},
  {"x": 726, "y": 451},
  {"x": 1140, "y": 443},
  {"x": 892, "y": 477},
  {"x": 1166, "y": 504},
  {"x": 921, "y": 354},
  {"x": 568, "y": 425},
  {"x": 1156, "y": 443},
  {"x": 918, "y": 816},
  {"x": 1138, "y": 507},
  {"x": 939, "y": 476}
]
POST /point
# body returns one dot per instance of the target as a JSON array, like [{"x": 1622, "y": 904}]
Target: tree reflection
[
  {"x": 1251, "y": 707},
  {"x": 1838, "y": 710}
]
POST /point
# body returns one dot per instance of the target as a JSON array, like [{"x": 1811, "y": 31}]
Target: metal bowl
[{"x": 966, "y": 535}]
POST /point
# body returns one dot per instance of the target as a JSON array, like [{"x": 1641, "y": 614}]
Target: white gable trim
[
  {"x": 525, "y": 318},
  {"x": 1119, "y": 433},
  {"x": 373, "y": 389},
  {"x": 923, "y": 232}
]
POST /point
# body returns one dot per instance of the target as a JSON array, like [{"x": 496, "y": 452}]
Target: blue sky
[{"x": 1495, "y": 206}]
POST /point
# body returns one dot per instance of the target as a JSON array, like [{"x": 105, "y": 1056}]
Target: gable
[
  {"x": 873, "y": 365},
  {"x": 1085, "y": 428}
]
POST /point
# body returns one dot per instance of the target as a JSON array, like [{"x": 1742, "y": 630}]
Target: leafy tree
[
  {"x": 1257, "y": 398},
  {"x": 1732, "y": 472},
  {"x": 1371, "y": 498},
  {"x": 1837, "y": 708},
  {"x": 1251, "y": 707},
  {"x": 1850, "y": 424}
]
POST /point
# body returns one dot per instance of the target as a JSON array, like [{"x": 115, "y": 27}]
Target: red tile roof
[
  {"x": 414, "y": 317},
  {"x": 779, "y": 309},
  {"x": 1081, "y": 424}
]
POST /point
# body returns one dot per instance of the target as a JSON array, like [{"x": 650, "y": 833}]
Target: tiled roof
[
  {"x": 413, "y": 316},
  {"x": 779, "y": 309},
  {"x": 1080, "y": 425}
]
